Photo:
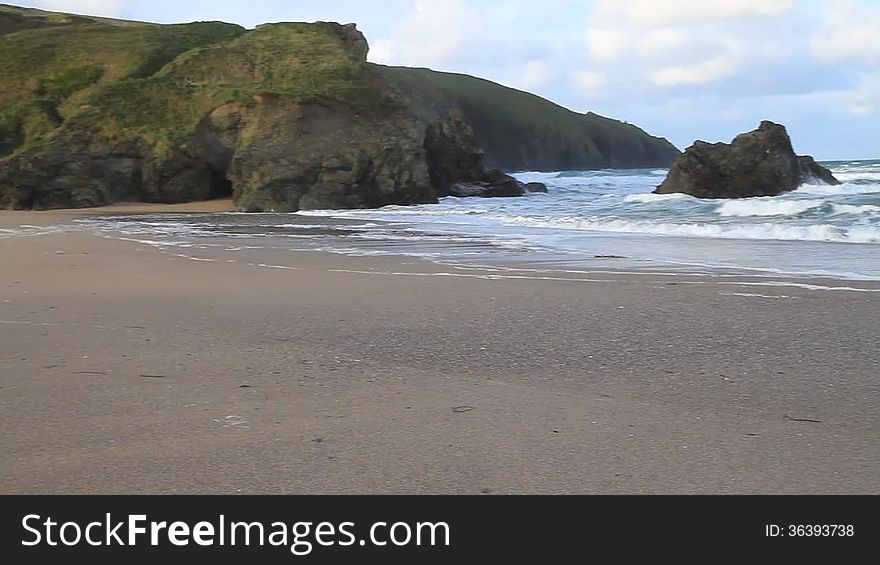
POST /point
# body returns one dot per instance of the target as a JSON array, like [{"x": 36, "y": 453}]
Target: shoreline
[
  {"x": 126, "y": 369},
  {"x": 603, "y": 265},
  {"x": 14, "y": 218}
]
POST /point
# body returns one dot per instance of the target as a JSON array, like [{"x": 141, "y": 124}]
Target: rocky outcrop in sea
[{"x": 758, "y": 163}]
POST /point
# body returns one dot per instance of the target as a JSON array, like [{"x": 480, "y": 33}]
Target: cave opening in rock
[{"x": 221, "y": 187}]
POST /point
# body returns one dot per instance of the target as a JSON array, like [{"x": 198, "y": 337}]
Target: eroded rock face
[
  {"x": 456, "y": 164},
  {"x": 291, "y": 157},
  {"x": 758, "y": 163},
  {"x": 355, "y": 40},
  {"x": 271, "y": 155}
]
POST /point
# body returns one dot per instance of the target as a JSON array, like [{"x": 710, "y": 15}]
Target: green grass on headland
[
  {"x": 52, "y": 66},
  {"x": 130, "y": 80}
]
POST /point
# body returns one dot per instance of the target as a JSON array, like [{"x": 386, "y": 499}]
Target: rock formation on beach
[
  {"x": 758, "y": 163},
  {"x": 282, "y": 118}
]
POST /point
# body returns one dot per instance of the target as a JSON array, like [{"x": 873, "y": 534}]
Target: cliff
[
  {"x": 284, "y": 117},
  {"x": 520, "y": 131}
]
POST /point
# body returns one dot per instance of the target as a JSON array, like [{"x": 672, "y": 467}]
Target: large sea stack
[
  {"x": 758, "y": 163},
  {"x": 282, "y": 118}
]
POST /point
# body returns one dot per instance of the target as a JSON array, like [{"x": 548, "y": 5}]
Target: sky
[{"x": 681, "y": 69}]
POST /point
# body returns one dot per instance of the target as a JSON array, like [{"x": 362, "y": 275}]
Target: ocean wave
[
  {"x": 767, "y": 207},
  {"x": 534, "y": 176},
  {"x": 763, "y": 231},
  {"x": 316, "y": 226},
  {"x": 858, "y": 175},
  {"x": 841, "y": 190},
  {"x": 852, "y": 209},
  {"x": 27, "y": 230},
  {"x": 651, "y": 198},
  {"x": 434, "y": 210}
]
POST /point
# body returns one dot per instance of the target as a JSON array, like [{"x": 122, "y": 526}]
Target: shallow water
[
  {"x": 819, "y": 230},
  {"x": 592, "y": 219}
]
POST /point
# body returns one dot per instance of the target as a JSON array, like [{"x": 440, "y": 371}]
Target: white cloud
[
  {"x": 704, "y": 72},
  {"x": 535, "y": 73},
  {"x": 382, "y": 51},
  {"x": 109, "y": 8},
  {"x": 675, "y": 44},
  {"x": 852, "y": 31},
  {"x": 865, "y": 99},
  {"x": 654, "y": 13},
  {"x": 607, "y": 44},
  {"x": 430, "y": 34},
  {"x": 590, "y": 80},
  {"x": 658, "y": 42},
  {"x": 862, "y": 109},
  {"x": 851, "y": 37}
]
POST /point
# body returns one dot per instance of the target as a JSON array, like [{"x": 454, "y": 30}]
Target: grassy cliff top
[
  {"x": 155, "y": 82},
  {"x": 52, "y": 65}
]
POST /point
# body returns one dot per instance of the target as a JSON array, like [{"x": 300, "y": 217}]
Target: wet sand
[
  {"x": 10, "y": 219},
  {"x": 124, "y": 369}
]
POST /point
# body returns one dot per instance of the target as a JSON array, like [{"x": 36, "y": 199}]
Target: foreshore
[
  {"x": 13, "y": 219},
  {"x": 124, "y": 369}
]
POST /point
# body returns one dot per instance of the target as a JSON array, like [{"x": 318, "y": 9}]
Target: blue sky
[{"x": 683, "y": 69}]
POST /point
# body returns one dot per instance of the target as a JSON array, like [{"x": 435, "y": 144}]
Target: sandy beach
[{"x": 124, "y": 369}]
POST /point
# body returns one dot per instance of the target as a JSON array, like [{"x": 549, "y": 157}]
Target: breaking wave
[{"x": 759, "y": 231}]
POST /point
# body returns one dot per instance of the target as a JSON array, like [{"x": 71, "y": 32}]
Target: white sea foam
[
  {"x": 806, "y": 286},
  {"x": 762, "y": 231},
  {"x": 755, "y": 295},
  {"x": 651, "y": 198},
  {"x": 862, "y": 175},
  {"x": 849, "y": 209},
  {"x": 405, "y": 211},
  {"x": 535, "y": 176},
  {"x": 840, "y": 190},
  {"x": 32, "y": 231},
  {"x": 767, "y": 207}
]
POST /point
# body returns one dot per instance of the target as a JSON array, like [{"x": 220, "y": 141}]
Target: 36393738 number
[
  {"x": 821, "y": 530},
  {"x": 811, "y": 530}
]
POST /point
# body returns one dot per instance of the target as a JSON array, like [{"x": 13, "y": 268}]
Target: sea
[{"x": 599, "y": 219}]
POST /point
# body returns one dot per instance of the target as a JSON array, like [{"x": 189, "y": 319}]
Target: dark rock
[
  {"x": 328, "y": 157},
  {"x": 452, "y": 152},
  {"x": 758, "y": 163},
  {"x": 813, "y": 172},
  {"x": 456, "y": 163},
  {"x": 486, "y": 190},
  {"x": 495, "y": 184},
  {"x": 536, "y": 187},
  {"x": 467, "y": 190}
]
